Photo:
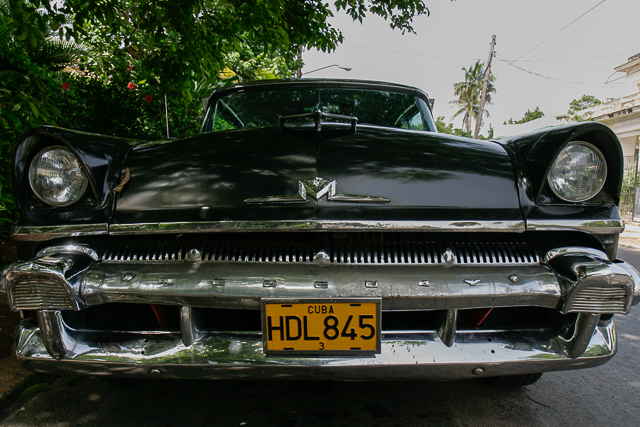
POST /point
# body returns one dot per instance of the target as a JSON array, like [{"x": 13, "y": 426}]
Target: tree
[
  {"x": 585, "y": 102},
  {"x": 450, "y": 130},
  {"x": 528, "y": 116},
  {"x": 469, "y": 93},
  {"x": 178, "y": 41}
]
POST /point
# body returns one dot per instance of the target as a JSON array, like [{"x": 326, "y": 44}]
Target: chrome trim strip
[
  {"x": 573, "y": 250},
  {"x": 316, "y": 225},
  {"x": 69, "y": 249},
  {"x": 42, "y": 233},
  {"x": 300, "y": 197},
  {"x": 592, "y": 226},
  {"x": 241, "y": 356},
  {"x": 48, "y": 232},
  {"x": 198, "y": 284},
  {"x": 316, "y": 188}
]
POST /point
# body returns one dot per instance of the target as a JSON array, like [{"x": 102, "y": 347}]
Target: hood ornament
[{"x": 316, "y": 188}]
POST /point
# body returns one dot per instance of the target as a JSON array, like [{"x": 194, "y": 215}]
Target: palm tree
[{"x": 469, "y": 92}]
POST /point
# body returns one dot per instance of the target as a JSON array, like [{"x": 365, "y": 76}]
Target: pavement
[
  {"x": 14, "y": 378},
  {"x": 630, "y": 237}
]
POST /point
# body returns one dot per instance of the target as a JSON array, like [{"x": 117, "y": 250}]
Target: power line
[
  {"x": 410, "y": 53},
  {"x": 475, "y": 59},
  {"x": 553, "y": 79},
  {"x": 574, "y": 59},
  {"x": 552, "y": 35}
]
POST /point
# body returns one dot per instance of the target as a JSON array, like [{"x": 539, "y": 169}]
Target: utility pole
[
  {"x": 485, "y": 83},
  {"x": 299, "y": 72}
]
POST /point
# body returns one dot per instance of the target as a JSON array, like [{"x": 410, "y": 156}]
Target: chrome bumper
[
  {"x": 570, "y": 280},
  {"x": 404, "y": 356}
]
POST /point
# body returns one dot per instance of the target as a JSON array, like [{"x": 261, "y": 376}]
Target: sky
[{"x": 561, "y": 63}]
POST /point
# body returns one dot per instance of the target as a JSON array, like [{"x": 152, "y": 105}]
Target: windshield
[{"x": 254, "y": 108}]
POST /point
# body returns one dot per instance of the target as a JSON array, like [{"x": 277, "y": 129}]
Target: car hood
[{"x": 235, "y": 175}]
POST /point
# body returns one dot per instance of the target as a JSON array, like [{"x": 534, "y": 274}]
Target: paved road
[{"x": 605, "y": 396}]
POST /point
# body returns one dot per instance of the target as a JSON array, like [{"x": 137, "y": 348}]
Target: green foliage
[
  {"x": 24, "y": 89},
  {"x": 585, "y": 102},
  {"x": 179, "y": 41},
  {"x": 449, "y": 129},
  {"x": 469, "y": 94},
  {"x": 399, "y": 12},
  {"x": 490, "y": 134},
  {"x": 110, "y": 108},
  {"x": 628, "y": 184},
  {"x": 251, "y": 63},
  {"x": 34, "y": 389},
  {"x": 528, "y": 116}
]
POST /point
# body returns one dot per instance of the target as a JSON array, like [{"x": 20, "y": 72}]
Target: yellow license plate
[{"x": 321, "y": 326}]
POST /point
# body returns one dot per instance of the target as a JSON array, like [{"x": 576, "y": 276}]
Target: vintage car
[{"x": 318, "y": 229}]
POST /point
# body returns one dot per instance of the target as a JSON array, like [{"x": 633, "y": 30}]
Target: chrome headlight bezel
[
  {"x": 74, "y": 180},
  {"x": 563, "y": 157}
]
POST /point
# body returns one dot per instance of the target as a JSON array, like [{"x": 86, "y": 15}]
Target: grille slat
[
  {"x": 600, "y": 300},
  {"x": 40, "y": 295},
  {"x": 343, "y": 252}
]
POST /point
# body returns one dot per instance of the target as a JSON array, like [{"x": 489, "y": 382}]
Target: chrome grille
[
  {"x": 338, "y": 252},
  {"x": 386, "y": 253},
  {"x": 601, "y": 300},
  {"x": 497, "y": 253},
  {"x": 143, "y": 251},
  {"x": 41, "y": 295},
  {"x": 259, "y": 252}
]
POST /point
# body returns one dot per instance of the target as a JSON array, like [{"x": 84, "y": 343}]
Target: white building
[{"x": 622, "y": 114}]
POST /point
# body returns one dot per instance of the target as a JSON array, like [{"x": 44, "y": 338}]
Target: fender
[{"x": 101, "y": 156}]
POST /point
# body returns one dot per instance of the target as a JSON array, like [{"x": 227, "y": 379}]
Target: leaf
[
  {"x": 16, "y": 107},
  {"x": 34, "y": 389},
  {"x": 34, "y": 109},
  {"x": 33, "y": 40},
  {"x": 24, "y": 34}
]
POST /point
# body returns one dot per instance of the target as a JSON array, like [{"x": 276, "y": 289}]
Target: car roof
[{"x": 329, "y": 83}]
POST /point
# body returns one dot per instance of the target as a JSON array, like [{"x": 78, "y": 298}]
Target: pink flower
[
  {"x": 148, "y": 98},
  {"x": 65, "y": 86},
  {"x": 131, "y": 86}
]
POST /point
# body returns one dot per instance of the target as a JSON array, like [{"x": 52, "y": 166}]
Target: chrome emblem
[
  {"x": 471, "y": 282},
  {"x": 316, "y": 188}
]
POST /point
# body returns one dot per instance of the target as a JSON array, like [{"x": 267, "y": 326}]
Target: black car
[{"x": 318, "y": 228}]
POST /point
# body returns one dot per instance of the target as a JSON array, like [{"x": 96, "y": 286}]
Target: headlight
[
  {"x": 56, "y": 176},
  {"x": 578, "y": 172}
]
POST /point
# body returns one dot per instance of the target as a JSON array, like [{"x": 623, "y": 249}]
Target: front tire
[{"x": 512, "y": 381}]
